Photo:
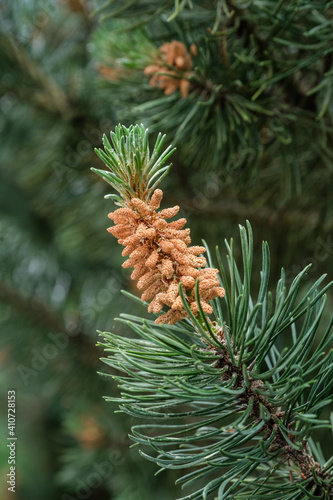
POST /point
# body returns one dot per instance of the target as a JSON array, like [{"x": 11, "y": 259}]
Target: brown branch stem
[{"x": 300, "y": 456}]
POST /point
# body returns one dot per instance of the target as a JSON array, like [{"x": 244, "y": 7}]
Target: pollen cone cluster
[
  {"x": 161, "y": 256},
  {"x": 164, "y": 77}
]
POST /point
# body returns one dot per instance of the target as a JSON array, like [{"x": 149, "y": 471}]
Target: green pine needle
[
  {"x": 224, "y": 404},
  {"x": 135, "y": 172}
]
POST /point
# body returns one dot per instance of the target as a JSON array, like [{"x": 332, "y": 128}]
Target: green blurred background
[{"x": 60, "y": 271}]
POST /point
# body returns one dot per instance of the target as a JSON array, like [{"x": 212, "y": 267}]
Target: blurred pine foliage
[{"x": 254, "y": 141}]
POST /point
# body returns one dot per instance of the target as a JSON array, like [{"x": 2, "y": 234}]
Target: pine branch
[
  {"x": 289, "y": 450},
  {"x": 249, "y": 405},
  {"x": 233, "y": 405},
  {"x": 135, "y": 171},
  {"x": 249, "y": 78}
]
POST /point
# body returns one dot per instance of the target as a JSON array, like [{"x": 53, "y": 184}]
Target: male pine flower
[
  {"x": 161, "y": 256},
  {"x": 172, "y": 69}
]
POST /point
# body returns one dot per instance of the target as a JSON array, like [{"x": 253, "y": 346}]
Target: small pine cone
[
  {"x": 121, "y": 212},
  {"x": 139, "y": 270},
  {"x": 166, "y": 246},
  {"x": 183, "y": 258},
  {"x": 196, "y": 250},
  {"x": 209, "y": 272},
  {"x": 120, "y": 231},
  {"x": 140, "y": 230},
  {"x": 169, "y": 232},
  {"x": 145, "y": 232},
  {"x": 172, "y": 291},
  {"x": 163, "y": 319},
  {"x": 147, "y": 279},
  {"x": 217, "y": 291},
  {"x": 121, "y": 241},
  {"x": 220, "y": 291},
  {"x": 184, "y": 87},
  {"x": 180, "y": 234},
  {"x": 188, "y": 281},
  {"x": 153, "y": 259},
  {"x": 167, "y": 267},
  {"x": 177, "y": 224},
  {"x": 183, "y": 233},
  {"x": 169, "y": 83},
  {"x": 194, "y": 308},
  {"x": 152, "y": 68},
  {"x": 198, "y": 261},
  {"x": 163, "y": 298},
  {"x": 189, "y": 271},
  {"x": 160, "y": 224},
  {"x": 128, "y": 250},
  {"x": 133, "y": 239},
  {"x": 178, "y": 304},
  {"x": 206, "y": 284},
  {"x": 151, "y": 305},
  {"x": 140, "y": 252},
  {"x": 152, "y": 290},
  {"x": 141, "y": 206},
  {"x": 193, "y": 49},
  {"x": 156, "y": 199},
  {"x": 205, "y": 307},
  {"x": 150, "y": 233},
  {"x": 170, "y": 317},
  {"x": 130, "y": 263},
  {"x": 177, "y": 316},
  {"x": 168, "y": 213},
  {"x": 179, "y": 245},
  {"x": 155, "y": 306},
  {"x": 118, "y": 219}
]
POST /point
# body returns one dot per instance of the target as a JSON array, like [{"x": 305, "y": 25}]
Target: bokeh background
[{"x": 67, "y": 77}]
